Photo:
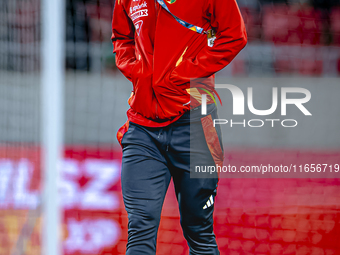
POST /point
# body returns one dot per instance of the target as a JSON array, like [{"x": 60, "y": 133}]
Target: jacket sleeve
[
  {"x": 231, "y": 38},
  {"x": 123, "y": 39}
]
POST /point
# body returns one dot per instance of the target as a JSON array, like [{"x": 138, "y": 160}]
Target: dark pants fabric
[{"x": 151, "y": 156}]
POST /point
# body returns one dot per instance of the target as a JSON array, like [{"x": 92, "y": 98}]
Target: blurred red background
[{"x": 252, "y": 216}]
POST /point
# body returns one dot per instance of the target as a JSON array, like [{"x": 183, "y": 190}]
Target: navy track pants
[{"x": 151, "y": 156}]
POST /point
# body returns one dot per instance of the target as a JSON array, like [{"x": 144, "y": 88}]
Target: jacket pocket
[{"x": 180, "y": 77}]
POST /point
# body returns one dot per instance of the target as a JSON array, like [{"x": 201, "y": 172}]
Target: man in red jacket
[{"x": 160, "y": 47}]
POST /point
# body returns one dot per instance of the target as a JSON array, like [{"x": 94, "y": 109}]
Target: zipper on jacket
[
  {"x": 157, "y": 11},
  {"x": 156, "y": 104}
]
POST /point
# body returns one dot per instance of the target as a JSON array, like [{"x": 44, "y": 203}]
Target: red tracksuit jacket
[{"x": 160, "y": 56}]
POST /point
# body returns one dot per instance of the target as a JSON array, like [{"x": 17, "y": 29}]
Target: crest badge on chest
[{"x": 171, "y": 1}]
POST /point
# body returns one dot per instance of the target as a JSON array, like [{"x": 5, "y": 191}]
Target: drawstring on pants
[{"x": 168, "y": 134}]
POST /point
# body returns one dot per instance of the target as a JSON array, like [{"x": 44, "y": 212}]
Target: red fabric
[
  {"x": 212, "y": 140},
  {"x": 122, "y": 130},
  {"x": 149, "y": 47}
]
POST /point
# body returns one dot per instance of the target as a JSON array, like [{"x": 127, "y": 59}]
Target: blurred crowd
[
  {"x": 314, "y": 22},
  {"x": 270, "y": 23}
]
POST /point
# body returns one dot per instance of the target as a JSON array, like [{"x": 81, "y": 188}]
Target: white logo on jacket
[
  {"x": 138, "y": 26},
  {"x": 138, "y": 14},
  {"x": 137, "y": 7}
]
